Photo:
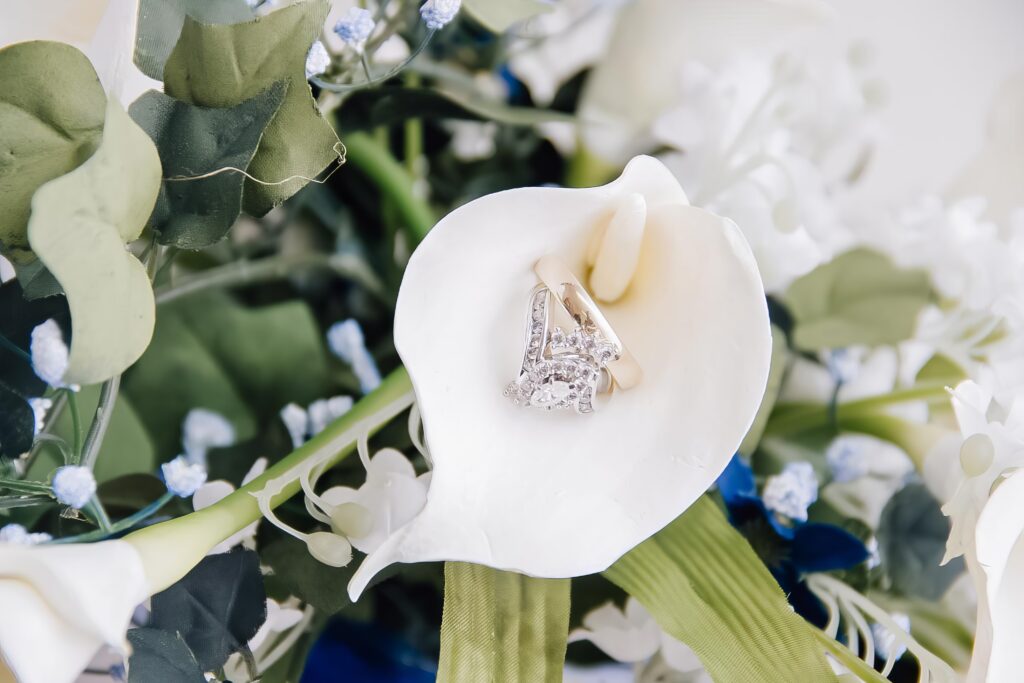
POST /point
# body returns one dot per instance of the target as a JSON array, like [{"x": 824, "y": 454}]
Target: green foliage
[
  {"x": 161, "y": 656},
  {"x": 208, "y": 351},
  {"x": 502, "y": 626},
  {"x": 859, "y": 297},
  {"x": 193, "y": 141},
  {"x": 17, "y": 424},
  {"x": 79, "y": 225},
  {"x": 776, "y": 373},
  {"x": 51, "y": 120},
  {"x": 297, "y": 573},
  {"x": 223, "y": 66},
  {"x": 498, "y": 15},
  {"x": 126, "y": 449},
  {"x": 912, "y": 537},
  {"x": 705, "y": 586},
  {"x": 160, "y": 23},
  {"x": 216, "y": 608}
]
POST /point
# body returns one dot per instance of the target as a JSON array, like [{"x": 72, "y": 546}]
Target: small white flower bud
[
  {"x": 346, "y": 341},
  {"x": 74, "y": 485},
  {"x": 317, "y": 60},
  {"x": 792, "y": 491},
  {"x": 296, "y": 421},
  {"x": 355, "y": 27},
  {"x": 19, "y": 535},
  {"x": 439, "y": 13},
  {"x": 331, "y": 549},
  {"x": 325, "y": 411},
  {"x": 202, "y": 430},
  {"x": 40, "y": 406},
  {"x": 182, "y": 477},
  {"x": 49, "y": 353}
]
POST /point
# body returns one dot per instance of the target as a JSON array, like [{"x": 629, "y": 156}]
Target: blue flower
[{"x": 790, "y": 550}]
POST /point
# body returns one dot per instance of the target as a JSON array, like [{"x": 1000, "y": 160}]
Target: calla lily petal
[
  {"x": 66, "y": 595},
  {"x": 554, "y": 494},
  {"x": 999, "y": 542}
]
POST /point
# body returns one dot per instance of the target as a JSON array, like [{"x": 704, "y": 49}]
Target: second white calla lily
[{"x": 557, "y": 494}]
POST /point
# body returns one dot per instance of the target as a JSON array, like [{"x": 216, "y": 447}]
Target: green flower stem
[
  {"x": 76, "y": 426},
  {"x": 96, "y": 510},
  {"x": 120, "y": 525},
  {"x": 789, "y": 419},
  {"x": 101, "y": 421},
  {"x": 375, "y": 161},
  {"x": 170, "y": 549}
]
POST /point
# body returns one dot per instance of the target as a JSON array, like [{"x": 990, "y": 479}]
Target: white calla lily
[
  {"x": 62, "y": 603},
  {"x": 638, "y": 78},
  {"x": 554, "y": 494},
  {"x": 103, "y": 29},
  {"x": 999, "y": 577}
]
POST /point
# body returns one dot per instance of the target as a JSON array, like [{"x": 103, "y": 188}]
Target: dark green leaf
[
  {"x": 17, "y": 424},
  {"x": 244, "y": 363},
  {"x": 161, "y": 657},
  {"x": 193, "y": 141},
  {"x": 859, "y": 297},
  {"x": 51, "y": 120},
  {"x": 18, "y": 318},
  {"x": 912, "y": 537},
  {"x": 217, "y": 607},
  {"x": 295, "y": 572},
  {"x": 222, "y": 66},
  {"x": 160, "y": 23},
  {"x": 37, "y": 281}
]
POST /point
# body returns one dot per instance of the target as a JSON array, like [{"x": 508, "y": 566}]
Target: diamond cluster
[{"x": 559, "y": 370}]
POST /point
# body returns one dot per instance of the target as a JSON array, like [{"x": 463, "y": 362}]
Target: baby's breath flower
[
  {"x": 296, "y": 421},
  {"x": 40, "y": 406},
  {"x": 317, "y": 60},
  {"x": 355, "y": 27},
  {"x": 202, "y": 430},
  {"x": 19, "y": 535},
  {"x": 845, "y": 457},
  {"x": 347, "y": 342},
  {"x": 49, "y": 353},
  {"x": 326, "y": 410},
  {"x": 182, "y": 477},
  {"x": 74, "y": 485},
  {"x": 439, "y": 13},
  {"x": 792, "y": 491}
]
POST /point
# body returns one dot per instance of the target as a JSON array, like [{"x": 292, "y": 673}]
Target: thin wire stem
[
  {"x": 76, "y": 425},
  {"x": 370, "y": 82},
  {"x": 119, "y": 526}
]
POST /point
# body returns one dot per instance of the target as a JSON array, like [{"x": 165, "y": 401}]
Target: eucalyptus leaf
[
  {"x": 223, "y": 66},
  {"x": 209, "y": 351},
  {"x": 912, "y": 537},
  {"x": 160, "y": 23},
  {"x": 502, "y": 626},
  {"x": 37, "y": 281},
  {"x": 859, "y": 297},
  {"x": 79, "y": 226},
  {"x": 217, "y": 607},
  {"x": 51, "y": 120},
  {"x": 704, "y": 585},
  {"x": 194, "y": 141},
  {"x": 776, "y": 373},
  {"x": 161, "y": 656},
  {"x": 296, "y": 572},
  {"x": 498, "y": 15}
]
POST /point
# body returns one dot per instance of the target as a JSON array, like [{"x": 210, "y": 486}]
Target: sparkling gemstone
[{"x": 553, "y": 393}]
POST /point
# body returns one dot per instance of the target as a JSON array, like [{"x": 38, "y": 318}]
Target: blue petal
[
  {"x": 736, "y": 482},
  {"x": 824, "y": 547},
  {"x": 782, "y": 526}
]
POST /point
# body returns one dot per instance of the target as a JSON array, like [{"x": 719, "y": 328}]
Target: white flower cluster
[
  {"x": 19, "y": 535},
  {"x": 346, "y": 340},
  {"x": 355, "y": 27},
  {"x": 74, "y": 485},
  {"x": 439, "y": 13},
  {"x": 792, "y": 491},
  {"x": 303, "y": 424}
]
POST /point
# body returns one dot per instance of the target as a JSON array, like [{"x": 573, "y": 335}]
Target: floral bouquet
[{"x": 511, "y": 341}]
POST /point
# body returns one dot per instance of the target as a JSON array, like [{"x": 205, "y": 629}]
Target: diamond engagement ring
[{"x": 567, "y": 369}]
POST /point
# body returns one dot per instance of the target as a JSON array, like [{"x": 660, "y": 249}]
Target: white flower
[
  {"x": 62, "y": 603},
  {"x": 74, "y": 485},
  {"x": 963, "y": 471},
  {"x": 636, "y": 81},
  {"x": 693, "y": 314},
  {"x": 884, "y": 640},
  {"x": 183, "y": 477},
  {"x": 792, "y": 491},
  {"x": 866, "y": 473},
  {"x": 202, "y": 430},
  {"x": 49, "y": 353},
  {"x": 631, "y": 635},
  {"x": 16, "y": 533},
  {"x": 439, "y": 13},
  {"x": 296, "y": 421},
  {"x": 346, "y": 341},
  {"x": 845, "y": 460},
  {"x": 326, "y": 410},
  {"x": 996, "y": 563},
  {"x": 355, "y": 27},
  {"x": 104, "y": 30},
  {"x": 390, "y": 498},
  {"x": 318, "y": 60},
  {"x": 472, "y": 140},
  {"x": 40, "y": 406},
  {"x": 213, "y": 491}
]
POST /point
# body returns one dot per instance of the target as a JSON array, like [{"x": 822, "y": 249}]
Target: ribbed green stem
[{"x": 170, "y": 549}]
